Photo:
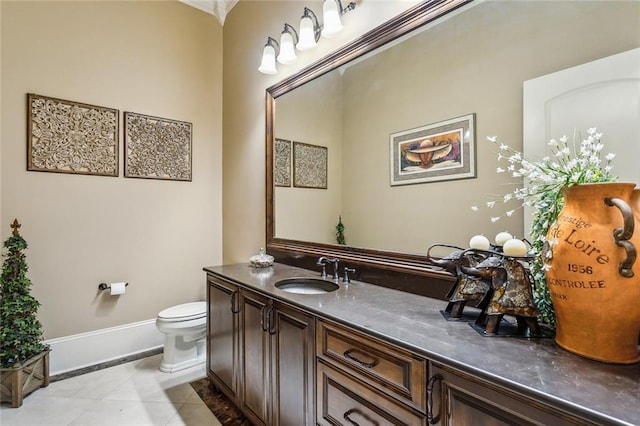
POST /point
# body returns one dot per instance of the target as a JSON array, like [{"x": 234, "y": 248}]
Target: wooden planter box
[{"x": 18, "y": 382}]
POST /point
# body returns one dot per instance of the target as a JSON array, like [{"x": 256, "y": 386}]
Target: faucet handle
[
  {"x": 347, "y": 271},
  {"x": 322, "y": 261}
]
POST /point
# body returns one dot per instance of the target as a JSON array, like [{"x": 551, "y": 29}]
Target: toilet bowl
[{"x": 184, "y": 327}]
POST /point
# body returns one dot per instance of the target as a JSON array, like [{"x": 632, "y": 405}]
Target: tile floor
[{"x": 136, "y": 393}]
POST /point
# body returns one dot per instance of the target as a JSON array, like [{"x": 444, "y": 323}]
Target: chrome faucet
[{"x": 323, "y": 261}]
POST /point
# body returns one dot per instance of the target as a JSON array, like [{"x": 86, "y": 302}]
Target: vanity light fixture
[
  {"x": 268, "y": 64},
  {"x": 331, "y": 12},
  {"x": 309, "y": 30},
  {"x": 288, "y": 39}
]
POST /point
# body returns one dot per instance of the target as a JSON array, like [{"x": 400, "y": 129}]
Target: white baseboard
[{"x": 95, "y": 347}]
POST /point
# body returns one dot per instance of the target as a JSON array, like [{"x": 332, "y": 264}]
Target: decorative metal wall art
[
  {"x": 71, "y": 137},
  {"x": 435, "y": 152},
  {"x": 282, "y": 163},
  {"x": 309, "y": 166},
  {"x": 156, "y": 148}
]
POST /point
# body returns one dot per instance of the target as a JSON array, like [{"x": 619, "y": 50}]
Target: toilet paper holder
[{"x": 105, "y": 286}]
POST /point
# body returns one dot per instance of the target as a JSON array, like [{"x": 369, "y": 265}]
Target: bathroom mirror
[{"x": 438, "y": 62}]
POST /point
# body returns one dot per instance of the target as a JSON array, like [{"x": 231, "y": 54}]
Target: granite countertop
[{"x": 607, "y": 393}]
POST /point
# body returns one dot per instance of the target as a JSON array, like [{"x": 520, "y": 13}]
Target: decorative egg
[
  {"x": 502, "y": 237},
  {"x": 515, "y": 247},
  {"x": 479, "y": 242}
]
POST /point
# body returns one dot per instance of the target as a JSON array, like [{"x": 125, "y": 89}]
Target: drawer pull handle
[
  {"x": 234, "y": 302},
  {"x": 355, "y": 410},
  {"x": 347, "y": 354},
  {"x": 430, "y": 385},
  {"x": 262, "y": 319},
  {"x": 271, "y": 320}
]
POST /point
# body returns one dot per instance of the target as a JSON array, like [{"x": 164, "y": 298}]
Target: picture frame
[
  {"x": 157, "y": 148},
  {"x": 71, "y": 137},
  {"x": 282, "y": 163},
  {"x": 441, "y": 151},
  {"x": 310, "y": 165}
]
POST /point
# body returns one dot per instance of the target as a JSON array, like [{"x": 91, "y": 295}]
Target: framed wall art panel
[
  {"x": 71, "y": 137},
  {"x": 309, "y": 165},
  {"x": 436, "y": 152},
  {"x": 282, "y": 163},
  {"x": 156, "y": 148}
]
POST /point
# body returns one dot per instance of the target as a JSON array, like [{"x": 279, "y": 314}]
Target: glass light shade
[
  {"x": 331, "y": 19},
  {"x": 287, "y": 51},
  {"x": 268, "y": 64},
  {"x": 307, "y": 34}
]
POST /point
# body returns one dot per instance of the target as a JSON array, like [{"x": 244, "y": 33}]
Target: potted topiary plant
[
  {"x": 24, "y": 358},
  {"x": 340, "y": 239}
]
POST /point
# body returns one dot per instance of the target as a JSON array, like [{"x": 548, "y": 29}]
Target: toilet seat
[{"x": 184, "y": 312}]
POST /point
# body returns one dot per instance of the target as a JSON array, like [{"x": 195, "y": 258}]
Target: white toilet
[{"x": 184, "y": 327}]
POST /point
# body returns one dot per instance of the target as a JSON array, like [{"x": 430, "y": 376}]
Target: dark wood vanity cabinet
[
  {"x": 307, "y": 360},
  {"x": 262, "y": 355}
]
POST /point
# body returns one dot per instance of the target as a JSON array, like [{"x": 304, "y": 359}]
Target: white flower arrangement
[{"x": 570, "y": 163}]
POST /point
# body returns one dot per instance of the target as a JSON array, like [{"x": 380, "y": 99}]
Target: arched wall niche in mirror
[{"x": 437, "y": 61}]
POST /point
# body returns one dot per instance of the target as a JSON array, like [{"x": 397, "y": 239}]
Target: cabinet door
[
  {"x": 460, "y": 399},
  {"x": 254, "y": 377},
  {"x": 293, "y": 367},
  {"x": 222, "y": 335}
]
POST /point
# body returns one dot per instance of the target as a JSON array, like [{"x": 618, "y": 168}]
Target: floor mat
[{"x": 224, "y": 410}]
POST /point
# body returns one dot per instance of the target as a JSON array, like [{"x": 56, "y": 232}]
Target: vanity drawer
[
  {"x": 344, "y": 400},
  {"x": 392, "y": 370}
]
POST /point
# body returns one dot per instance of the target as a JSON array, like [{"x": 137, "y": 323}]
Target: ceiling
[{"x": 218, "y": 8}]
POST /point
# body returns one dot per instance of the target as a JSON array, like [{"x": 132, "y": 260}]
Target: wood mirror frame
[{"x": 403, "y": 271}]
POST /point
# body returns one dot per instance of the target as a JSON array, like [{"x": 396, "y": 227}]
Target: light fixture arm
[
  {"x": 343, "y": 10},
  {"x": 289, "y": 29},
  {"x": 273, "y": 43},
  {"x": 308, "y": 13}
]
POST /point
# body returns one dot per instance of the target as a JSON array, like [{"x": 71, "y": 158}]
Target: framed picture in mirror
[
  {"x": 436, "y": 152},
  {"x": 282, "y": 163},
  {"x": 309, "y": 165}
]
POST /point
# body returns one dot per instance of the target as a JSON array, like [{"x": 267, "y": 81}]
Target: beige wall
[
  {"x": 160, "y": 58},
  {"x": 245, "y": 32}
]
